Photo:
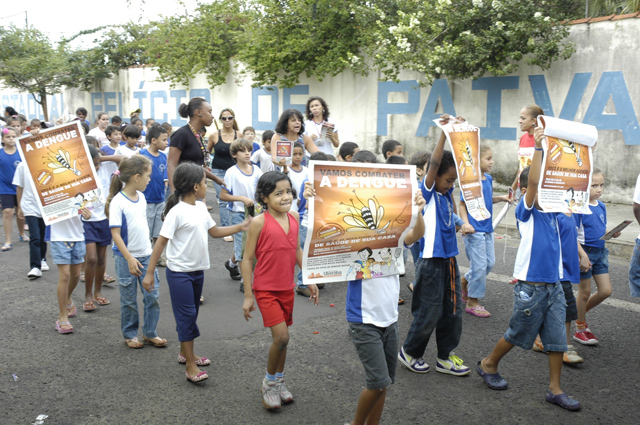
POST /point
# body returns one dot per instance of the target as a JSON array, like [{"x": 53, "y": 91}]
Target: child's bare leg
[
  {"x": 568, "y": 326},
  {"x": 63, "y": 291},
  {"x": 603, "y": 285},
  {"x": 278, "y": 350},
  {"x": 90, "y": 272},
  {"x": 370, "y": 405},
  {"x": 584, "y": 290},
  {"x": 101, "y": 267},
  {"x": 490, "y": 363},
  {"x": 20, "y": 222},
  {"x": 186, "y": 349},
  {"x": 7, "y": 218},
  {"x": 74, "y": 276},
  {"x": 555, "y": 367},
  {"x": 472, "y": 302}
]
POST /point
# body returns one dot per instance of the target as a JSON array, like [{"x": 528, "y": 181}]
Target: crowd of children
[{"x": 556, "y": 251}]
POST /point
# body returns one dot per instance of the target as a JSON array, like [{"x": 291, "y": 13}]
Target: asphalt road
[{"x": 91, "y": 377}]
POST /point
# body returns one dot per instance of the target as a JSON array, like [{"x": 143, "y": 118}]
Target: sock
[
  {"x": 581, "y": 325},
  {"x": 231, "y": 263},
  {"x": 270, "y": 377},
  {"x": 280, "y": 375}
]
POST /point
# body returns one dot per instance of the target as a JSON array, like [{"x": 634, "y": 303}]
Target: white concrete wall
[{"x": 596, "y": 85}]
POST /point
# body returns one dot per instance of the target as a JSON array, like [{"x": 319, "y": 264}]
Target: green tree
[
  {"x": 28, "y": 62},
  {"x": 184, "y": 46},
  {"x": 595, "y": 8}
]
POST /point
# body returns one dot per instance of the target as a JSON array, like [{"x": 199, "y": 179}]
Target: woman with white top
[
  {"x": 317, "y": 113},
  {"x": 98, "y": 132}
]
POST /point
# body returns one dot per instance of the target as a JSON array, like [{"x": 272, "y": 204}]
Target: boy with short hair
[
  {"x": 116, "y": 120},
  {"x": 539, "y": 302},
  {"x": 391, "y": 147},
  {"x": 241, "y": 181},
  {"x": 262, "y": 157},
  {"x": 131, "y": 134},
  {"x": 154, "y": 193},
  {"x": 347, "y": 150}
]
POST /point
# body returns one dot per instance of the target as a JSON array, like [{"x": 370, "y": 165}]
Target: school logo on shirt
[
  {"x": 602, "y": 218},
  {"x": 15, "y": 163},
  {"x": 161, "y": 167}
]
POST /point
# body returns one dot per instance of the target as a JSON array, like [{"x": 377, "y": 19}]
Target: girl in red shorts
[{"x": 273, "y": 240}]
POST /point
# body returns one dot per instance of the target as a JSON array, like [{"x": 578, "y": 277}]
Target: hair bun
[{"x": 183, "y": 110}]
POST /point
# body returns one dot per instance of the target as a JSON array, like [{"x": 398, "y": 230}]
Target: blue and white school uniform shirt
[
  {"x": 539, "y": 257},
  {"x": 440, "y": 228},
  {"x": 8, "y": 165},
  {"x": 591, "y": 227},
  {"x": 131, "y": 217},
  {"x": 104, "y": 183},
  {"x": 486, "y": 225},
  {"x": 241, "y": 184},
  {"x": 373, "y": 301},
  {"x": 154, "y": 193},
  {"x": 297, "y": 180},
  {"x": 569, "y": 245},
  {"x": 109, "y": 166}
]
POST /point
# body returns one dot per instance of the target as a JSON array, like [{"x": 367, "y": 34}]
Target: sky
[{"x": 67, "y": 18}]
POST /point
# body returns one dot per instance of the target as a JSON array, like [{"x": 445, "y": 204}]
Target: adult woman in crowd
[
  {"x": 186, "y": 143},
  {"x": 219, "y": 144},
  {"x": 290, "y": 127},
  {"x": 317, "y": 113}
]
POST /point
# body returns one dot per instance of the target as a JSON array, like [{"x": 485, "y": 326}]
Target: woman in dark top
[
  {"x": 219, "y": 144},
  {"x": 186, "y": 143}
]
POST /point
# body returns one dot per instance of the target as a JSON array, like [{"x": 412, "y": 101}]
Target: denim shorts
[
  {"x": 634, "y": 271},
  {"x": 377, "y": 349},
  {"x": 570, "y": 301},
  {"x": 237, "y": 217},
  {"x": 68, "y": 252},
  {"x": 154, "y": 218},
  {"x": 97, "y": 232},
  {"x": 538, "y": 309},
  {"x": 599, "y": 258}
]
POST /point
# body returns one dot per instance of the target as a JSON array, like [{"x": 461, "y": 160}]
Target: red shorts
[{"x": 275, "y": 306}]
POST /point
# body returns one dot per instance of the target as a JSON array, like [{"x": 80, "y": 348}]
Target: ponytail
[
  {"x": 186, "y": 176},
  {"x": 129, "y": 167},
  {"x": 114, "y": 188}
]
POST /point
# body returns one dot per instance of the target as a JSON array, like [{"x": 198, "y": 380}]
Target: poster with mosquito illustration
[
  {"x": 357, "y": 220},
  {"x": 464, "y": 141},
  {"x": 567, "y": 165},
  {"x": 61, "y": 171}
]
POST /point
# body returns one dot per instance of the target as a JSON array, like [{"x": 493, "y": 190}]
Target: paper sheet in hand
[{"x": 619, "y": 228}]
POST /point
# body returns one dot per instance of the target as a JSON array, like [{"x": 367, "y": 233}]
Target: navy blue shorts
[
  {"x": 97, "y": 232},
  {"x": 8, "y": 201}
]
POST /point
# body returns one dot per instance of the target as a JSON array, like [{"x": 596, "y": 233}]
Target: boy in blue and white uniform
[
  {"x": 539, "y": 303},
  {"x": 154, "y": 193}
]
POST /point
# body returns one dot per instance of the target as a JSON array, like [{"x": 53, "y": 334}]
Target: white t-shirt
[
  {"x": 28, "y": 202},
  {"x": 311, "y": 127},
  {"x": 124, "y": 150},
  {"x": 240, "y": 184},
  {"x": 263, "y": 160},
  {"x": 297, "y": 178},
  {"x": 104, "y": 183},
  {"x": 69, "y": 230},
  {"x": 131, "y": 217},
  {"x": 636, "y": 194},
  {"x": 373, "y": 301},
  {"x": 99, "y": 135},
  {"x": 187, "y": 226}
]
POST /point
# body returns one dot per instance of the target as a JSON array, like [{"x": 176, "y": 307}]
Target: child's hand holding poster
[
  {"x": 566, "y": 173},
  {"x": 464, "y": 140},
  {"x": 358, "y": 219},
  {"x": 61, "y": 171}
]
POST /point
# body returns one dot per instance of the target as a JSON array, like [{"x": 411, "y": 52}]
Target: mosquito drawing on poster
[
  {"x": 569, "y": 148},
  {"x": 60, "y": 162},
  {"x": 467, "y": 158},
  {"x": 367, "y": 217}
]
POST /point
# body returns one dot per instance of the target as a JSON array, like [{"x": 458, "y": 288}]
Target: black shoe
[{"x": 234, "y": 271}]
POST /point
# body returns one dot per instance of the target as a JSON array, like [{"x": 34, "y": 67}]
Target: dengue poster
[
  {"x": 61, "y": 171},
  {"x": 464, "y": 141},
  {"x": 567, "y": 165},
  {"x": 357, "y": 220}
]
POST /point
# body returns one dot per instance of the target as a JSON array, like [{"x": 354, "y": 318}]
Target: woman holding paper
[
  {"x": 289, "y": 129},
  {"x": 317, "y": 113}
]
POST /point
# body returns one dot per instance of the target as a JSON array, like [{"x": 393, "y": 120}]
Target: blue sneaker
[
  {"x": 453, "y": 366},
  {"x": 414, "y": 365}
]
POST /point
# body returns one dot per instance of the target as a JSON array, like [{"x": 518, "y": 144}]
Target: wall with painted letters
[{"x": 596, "y": 86}]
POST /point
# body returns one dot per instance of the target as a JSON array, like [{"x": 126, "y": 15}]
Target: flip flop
[
  {"x": 493, "y": 380},
  {"x": 24, "y": 238},
  {"x": 60, "y": 329},
  {"x": 108, "y": 279},
  {"x": 400, "y": 301},
  {"x": 88, "y": 306},
  {"x": 478, "y": 311},
  {"x": 197, "y": 378},
  {"x": 81, "y": 277},
  {"x": 72, "y": 310},
  {"x": 562, "y": 400},
  {"x": 133, "y": 343},
  {"x": 156, "y": 342},
  {"x": 202, "y": 361},
  {"x": 6, "y": 247},
  {"x": 101, "y": 301}
]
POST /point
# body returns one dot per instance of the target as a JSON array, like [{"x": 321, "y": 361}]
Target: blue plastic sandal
[
  {"x": 6, "y": 247},
  {"x": 493, "y": 380},
  {"x": 563, "y": 400}
]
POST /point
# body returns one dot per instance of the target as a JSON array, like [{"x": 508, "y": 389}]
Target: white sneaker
[
  {"x": 270, "y": 395},
  {"x": 285, "y": 394},
  {"x": 34, "y": 273},
  {"x": 571, "y": 356},
  {"x": 44, "y": 266}
]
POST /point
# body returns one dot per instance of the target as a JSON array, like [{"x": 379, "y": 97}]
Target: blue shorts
[
  {"x": 634, "y": 271},
  {"x": 68, "y": 252},
  {"x": 97, "y": 232},
  {"x": 538, "y": 309},
  {"x": 154, "y": 218},
  {"x": 599, "y": 258},
  {"x": 8, "y": 201},
  {"x": 570, "y": 302}
]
